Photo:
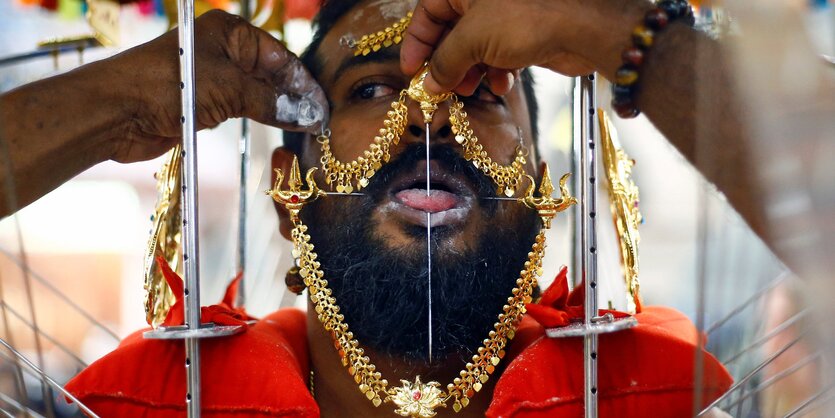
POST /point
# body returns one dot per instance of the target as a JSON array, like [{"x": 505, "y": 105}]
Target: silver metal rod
[
  {"x": 37, "y": 372},
  {"x": 755, "y": 297},
  {"x": 49, "y": 286},
  {"x": 577, "y": 184},
  {"x": 776, "y": 378},
  {"x": 428, "y": 248},
  {"x": 245, "y": 149},
  {"x": 771, "y": 334},
  {"x": 509, "y": 199},
  {"x": 243, "y": 202},
  {"x": 750, "y": 374},
  {"x": 815, "y": 400},
  {"x": 39, "y": 332},
  {"x": 20, "y": 407},
  {"x": 588, "y": 203},
  {"x": 191, "y": 249}
]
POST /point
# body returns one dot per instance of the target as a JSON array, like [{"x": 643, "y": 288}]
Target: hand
[
  {"x": 468, "y": 39},
  {"x": 240, "y": 70}
]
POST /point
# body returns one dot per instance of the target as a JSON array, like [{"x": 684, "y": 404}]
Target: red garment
[{"x": 646, "y": 371}]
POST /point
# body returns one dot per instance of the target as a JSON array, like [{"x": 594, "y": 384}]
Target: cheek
[{"x": 353, "y": 130}]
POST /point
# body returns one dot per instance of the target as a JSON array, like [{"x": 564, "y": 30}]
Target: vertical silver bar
[
  {"x": 577, "y": 184},
  {"x": 588, "y": 203},
  {"x": 244, "y": 148},
  {"x": 191, "y": 250},
  {"x": 429, "y": 247}
]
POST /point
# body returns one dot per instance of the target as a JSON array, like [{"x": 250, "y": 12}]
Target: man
[{"x": 372, "y": 248}]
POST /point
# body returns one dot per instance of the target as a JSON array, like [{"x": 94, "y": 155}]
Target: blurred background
[{"x": 71, "y": 264}]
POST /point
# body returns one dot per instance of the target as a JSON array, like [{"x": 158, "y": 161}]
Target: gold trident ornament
[
  {"x": 295, "y": 198},
  {"x": 428, "y": 101},
  {"x": 546, "y": 206}
]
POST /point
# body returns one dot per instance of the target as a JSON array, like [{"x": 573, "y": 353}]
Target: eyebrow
[{"x": 381, "y": 56}]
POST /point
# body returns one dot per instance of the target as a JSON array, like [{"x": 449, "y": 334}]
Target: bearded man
[{"x": 372, "y": 248}]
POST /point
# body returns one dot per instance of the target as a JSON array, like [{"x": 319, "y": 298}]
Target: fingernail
[{"x": 301, "y": 111}]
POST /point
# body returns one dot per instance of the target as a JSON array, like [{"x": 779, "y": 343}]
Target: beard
[{"x": 383, "y": 292}]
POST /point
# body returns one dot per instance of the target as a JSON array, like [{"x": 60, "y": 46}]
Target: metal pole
[
  {"x": 588, "y": 204},
  {"x": 244, "y": 148},
  {"x": 577, "y": 184},
  {"x": 191, "y": 250}
]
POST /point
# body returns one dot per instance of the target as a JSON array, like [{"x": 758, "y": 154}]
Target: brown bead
[
  {"x": 294, "y": 281},
  {"x": 656, "y": 19},
  {"x": 633, "y": 56},
  {"x": 626, "y": 76},
  {"x": 625, "y": 109},
  {"x": 643, "y": 36}
]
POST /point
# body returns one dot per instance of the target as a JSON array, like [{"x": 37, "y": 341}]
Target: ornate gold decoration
[
  {"x": 546, "y": 206},
  {"x": 355, "y": 174},
  {"x": 507, "y": 178},
  {"x": 428, "y": 101},
  {"x": 370, "y": 382},
  {"x": 294, "y": 198},
  {"x": 166, "y": 235},
  {"x": 417, "y": 399},
  {"x": 385, "y": 38},
  {"x": 624, "y": 197}
]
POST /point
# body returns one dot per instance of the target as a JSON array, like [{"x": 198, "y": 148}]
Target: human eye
[{"x": 371, "y": 90}]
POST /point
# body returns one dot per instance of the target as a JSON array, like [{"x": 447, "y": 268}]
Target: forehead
[{"x": 366, "y": 17}]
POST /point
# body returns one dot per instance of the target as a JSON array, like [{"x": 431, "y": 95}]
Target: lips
[{"x": 448, "y": 200}]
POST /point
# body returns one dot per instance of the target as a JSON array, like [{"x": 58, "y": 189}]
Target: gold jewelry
[
  {"x": 415, "y": 399},
  {"x": 385, "y": 38},
  {"x": 624, "y": 197},
  {"x": 294, "y": 198},
  {"x": 428, "y": 101},
  {"x": 165, "y": 239},
  {"x": 546, "y": 206},
  {"x": 507, "y": 178},
  {"x": 354, "y": 175}
]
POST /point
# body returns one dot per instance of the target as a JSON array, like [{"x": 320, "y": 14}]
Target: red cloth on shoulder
[
  {"x": 259, "y": 373},
  {"x": 645, "y": 371}
]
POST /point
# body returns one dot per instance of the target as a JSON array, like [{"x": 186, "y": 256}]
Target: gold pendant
[{"x": 417, "y": 399}]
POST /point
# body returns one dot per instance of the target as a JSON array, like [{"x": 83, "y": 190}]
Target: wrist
[{"x": 612, "y": 25}]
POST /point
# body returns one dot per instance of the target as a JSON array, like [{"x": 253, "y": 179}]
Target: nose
[{"x": 439, "y": 129}]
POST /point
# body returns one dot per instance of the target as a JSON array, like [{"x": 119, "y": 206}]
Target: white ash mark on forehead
[{"x": 388, "y": 9}]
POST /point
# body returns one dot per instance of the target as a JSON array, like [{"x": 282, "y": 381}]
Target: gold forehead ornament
[{"x": 385, "y": 38}]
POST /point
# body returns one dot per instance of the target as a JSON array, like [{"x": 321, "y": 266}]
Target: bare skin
[
  {"x": 360, "y": 93},
  {"x": 686, "y": 88},
  {"x": 127, "y": 108}
]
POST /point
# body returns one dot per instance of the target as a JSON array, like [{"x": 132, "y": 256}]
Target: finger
[
  {"x": 454, "y": 56},
  {"x": 430, "y": 20},
  {"x": 500, "y": 81},
  {"x": 276, "y": 88},
  {"x": 470, "y": 82}
]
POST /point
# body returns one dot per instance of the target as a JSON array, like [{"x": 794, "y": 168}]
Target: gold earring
[{"x": 354, "y": 175}]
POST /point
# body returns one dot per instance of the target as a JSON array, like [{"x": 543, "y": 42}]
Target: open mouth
[{"x": 447, "y": 201}]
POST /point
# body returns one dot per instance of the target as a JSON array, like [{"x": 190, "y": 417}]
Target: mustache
[{"x": 443, "y": 154}]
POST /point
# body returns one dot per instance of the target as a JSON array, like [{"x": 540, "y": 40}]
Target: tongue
[{"x": 435, "y": 201}]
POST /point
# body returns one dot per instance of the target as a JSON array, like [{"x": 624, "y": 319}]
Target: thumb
[
  {"x": 281, "y": 92},
  {"x": 457, "y": 53}
]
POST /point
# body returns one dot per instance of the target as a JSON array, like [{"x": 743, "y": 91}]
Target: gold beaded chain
[
  {"x": 414, "y": 399},
  {"x": 507, "y": 178},
  {"x": 385, "y": 38},
  {"x": 354, "y": 175}
]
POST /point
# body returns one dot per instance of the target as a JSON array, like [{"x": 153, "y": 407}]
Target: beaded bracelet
[{"x": 626, "y": 78}]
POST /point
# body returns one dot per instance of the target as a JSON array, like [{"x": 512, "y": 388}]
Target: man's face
[{"x": 478, "y": 245}]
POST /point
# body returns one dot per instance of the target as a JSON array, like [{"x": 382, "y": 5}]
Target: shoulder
[{"x": 262, "y": 370}]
